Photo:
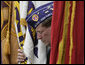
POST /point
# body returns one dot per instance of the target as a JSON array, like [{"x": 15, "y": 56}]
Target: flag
[
  {"x": 25, "y": 42},
  {"x": 7, "y": 24},
  {"x": 5, "y": 30},
  {"x": 30, "y": 39},
  {"x": 19, "y": 33},
  {"x": 67, "y": 33},
  {"x": 13, "y": 38}
]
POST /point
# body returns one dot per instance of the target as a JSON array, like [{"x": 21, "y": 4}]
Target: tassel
[
  {"x": 23, "y": 22},
  {"x": 7, "y": 45}
]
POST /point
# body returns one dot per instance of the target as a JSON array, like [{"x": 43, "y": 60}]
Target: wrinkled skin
[{"x": 44, "y": 34}]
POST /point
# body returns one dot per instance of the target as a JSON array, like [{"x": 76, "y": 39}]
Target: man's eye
[{"x": 39, "y": 32}]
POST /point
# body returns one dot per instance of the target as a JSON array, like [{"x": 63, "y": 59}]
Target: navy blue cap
[{"x": 38, "y": 15}]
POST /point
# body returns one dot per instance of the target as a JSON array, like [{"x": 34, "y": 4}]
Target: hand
[{"x": 21, "y": 56}]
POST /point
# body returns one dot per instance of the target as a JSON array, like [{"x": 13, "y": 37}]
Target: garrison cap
[{"x": 40, "y": 14}]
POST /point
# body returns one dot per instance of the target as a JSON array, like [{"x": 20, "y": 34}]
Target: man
[{"x": 40, "y": 19}]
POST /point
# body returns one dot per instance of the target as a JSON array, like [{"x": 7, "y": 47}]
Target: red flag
[
  {"x": 67, "y": 33},
  {"x": 78, "y": 34}
]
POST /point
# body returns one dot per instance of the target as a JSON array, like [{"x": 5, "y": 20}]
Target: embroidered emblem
[{"x": 35, "y": 17}]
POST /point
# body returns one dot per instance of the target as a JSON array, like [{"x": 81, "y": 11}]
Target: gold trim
[
  {"x": 71, "y": 30},
  {"x": 62, "y": 44}
]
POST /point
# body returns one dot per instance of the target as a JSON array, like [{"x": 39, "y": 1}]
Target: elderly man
[{"x": 40, "y": 19}]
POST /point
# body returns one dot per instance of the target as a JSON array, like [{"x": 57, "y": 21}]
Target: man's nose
[{"x": 39, "y": 36}]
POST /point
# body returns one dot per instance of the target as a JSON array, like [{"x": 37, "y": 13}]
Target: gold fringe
[
  {"x": 30, "y": 11},
  {"x": 16, "y": 4},
  {"x": 62, "y": 43},
  {"x": 71, "y": 30},
  {"x": 1, "y": 18},
  {"x": 12, "y": 30},
  {"x": 7, "y": 3},
  {"x": 4, "y": 32},
  {"x": 23, "y": 22},
  {"x": 7, "y": 45}
]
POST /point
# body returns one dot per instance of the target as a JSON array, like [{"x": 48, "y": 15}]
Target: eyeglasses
[{"x": 41, "y": 32}]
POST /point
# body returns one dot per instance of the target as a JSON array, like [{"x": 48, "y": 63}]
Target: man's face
[{"x": 44, "y": 34}]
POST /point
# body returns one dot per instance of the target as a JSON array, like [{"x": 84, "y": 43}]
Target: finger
[
  {"x": 20, "y": 60},
  {"x": 19, "y": 50},
  {"x": 19, "y": 57},
  {"x": 21, "y": 54}
]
